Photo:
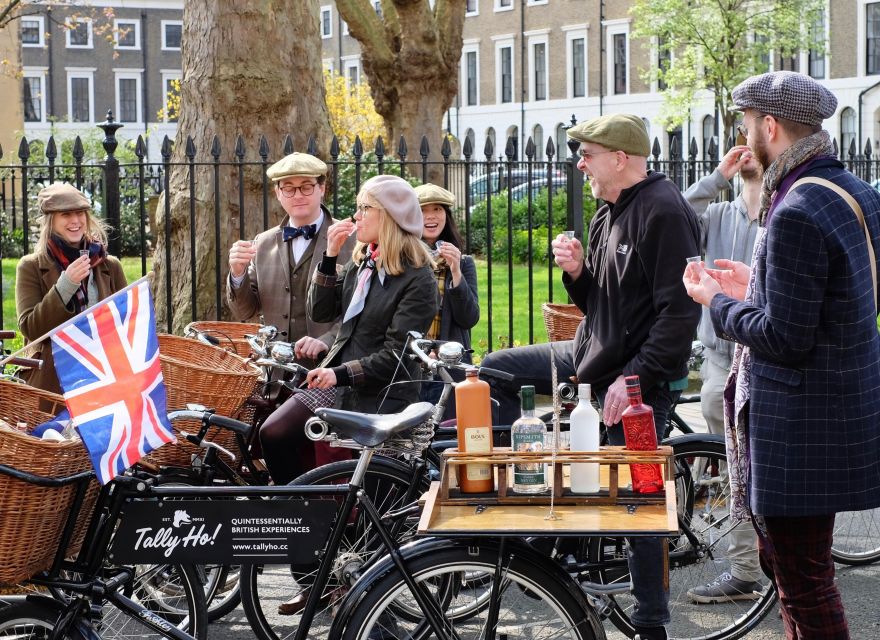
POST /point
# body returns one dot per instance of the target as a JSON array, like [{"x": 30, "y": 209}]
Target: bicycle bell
[
  {"x": 450, "y": 352},
  {"x": 283, "y": 352},
  {"x": 267, "y": 332}
]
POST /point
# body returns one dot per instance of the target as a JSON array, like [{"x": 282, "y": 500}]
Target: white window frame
[
  {"x": 328, "y": 9},
  {"x": 80, "y": 72},
  {"x": 136, "y": 75},
  {"x": 475, "y": 12},
  {"x": 539, "y": 36},
  {"x": 575, "y": 32},
  {"x": 166, "y": 23},
  {"x": 345, "y": 30},
  {"x": 37, "y": 72},
  {"x": 469, "y": 46},
  {"x": 498, "y": 8},
  {"x": 137, "y": 33},
  {"x": 804, "y": 59},
  {"x": 167, "y": 75},
  {"x": 655, "y": 60},
  {"x": 614, "y": 28},
  {"x": 42, "y": 26},
  {"x": 501, "y": 42},
  {"x": 328, "y": 65},
  {"x": 69, "y": 30},
  {"x": 535, "y": 3},
  {"x": 351, "y": 62}
]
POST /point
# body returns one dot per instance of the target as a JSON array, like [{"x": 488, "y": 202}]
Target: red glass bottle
[{"x": 640, "y": 435}]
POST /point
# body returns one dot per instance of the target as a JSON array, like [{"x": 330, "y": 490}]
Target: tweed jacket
[
  {"x": 370, "y": 344},
  {"x": 40, "y": 308},
  {"x": 814, "y": 413},
  {"x": 460, "y": 309},
  {"x": 277, "y": 292}
]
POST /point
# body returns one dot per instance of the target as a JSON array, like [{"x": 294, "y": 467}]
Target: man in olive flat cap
[
  {"x": 638, "y": 319},
  {"x": 270, "y": 276},
  {"x": 803, "y": 400}
]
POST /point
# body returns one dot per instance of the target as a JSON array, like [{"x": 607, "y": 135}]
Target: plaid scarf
[
  {"x": 440, "y": 270},
  {"x": 63, "y": 254}
]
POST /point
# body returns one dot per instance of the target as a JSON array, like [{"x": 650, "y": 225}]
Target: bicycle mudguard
[
  {"x": 429, "y": 546},
  {"x": 82, "y": 626},
  {"x": 692, "y": 437}
]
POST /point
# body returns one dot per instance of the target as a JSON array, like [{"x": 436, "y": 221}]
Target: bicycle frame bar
[{"x": 146, "y": 617}]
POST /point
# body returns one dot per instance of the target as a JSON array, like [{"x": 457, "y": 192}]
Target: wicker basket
[
  {"x": 230, "y": 334},
  {"x": 196, "y": 372},
  {"x": 561, "y": 320},
  {"x": 32, "y": 518}
]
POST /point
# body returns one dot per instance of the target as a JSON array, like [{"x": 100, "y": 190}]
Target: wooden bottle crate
[{"x": 614, "y": 510}]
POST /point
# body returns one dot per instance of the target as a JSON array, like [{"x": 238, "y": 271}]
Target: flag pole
[{"x": 70, "y": 321}]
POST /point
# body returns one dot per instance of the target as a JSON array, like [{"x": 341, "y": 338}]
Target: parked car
[
  {"x": 500, "y": 181},
  {"x": 520, "y": 192}
]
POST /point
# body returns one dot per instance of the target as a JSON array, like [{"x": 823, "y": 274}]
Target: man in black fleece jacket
[{"x": 638, "y": 319}]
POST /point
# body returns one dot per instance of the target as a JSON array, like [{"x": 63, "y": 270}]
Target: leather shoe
[{"x": 298, "y": 602}]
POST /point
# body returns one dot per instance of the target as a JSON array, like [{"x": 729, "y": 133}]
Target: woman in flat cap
[
  {"x": 386, "y": 290},
  {"x": 456, "y": 277},
  {"x": 68, "y": 272}
]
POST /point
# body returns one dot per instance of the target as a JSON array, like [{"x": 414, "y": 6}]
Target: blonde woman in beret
[
  {"x": 455, "y": 274},
  {"x": 386, "y": 290},
  {"x": 68, "y": 272}
]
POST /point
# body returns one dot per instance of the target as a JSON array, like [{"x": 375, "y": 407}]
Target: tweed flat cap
[
  {"x": 62, "y": 197},
  {"x": 432, "y": 194},
  {"x": 786, "y": 94},
  {"x": 399, "y": 200},
  {"x": 618, "y": 131},
  {"x": 296, "y": 164}
]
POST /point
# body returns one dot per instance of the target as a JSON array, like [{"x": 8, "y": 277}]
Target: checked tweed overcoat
[{"x": 814, "y": 415}]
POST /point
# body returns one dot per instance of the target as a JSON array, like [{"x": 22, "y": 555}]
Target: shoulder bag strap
[{"x": 858, "y": 211}]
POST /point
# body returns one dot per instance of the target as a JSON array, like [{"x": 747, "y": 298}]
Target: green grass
[{"x": 480, "y": 333}]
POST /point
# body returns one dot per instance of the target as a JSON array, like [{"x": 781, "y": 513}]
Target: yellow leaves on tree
[
  {"x": 171, "y": 111},
  {"x": 351, "y": 112}
]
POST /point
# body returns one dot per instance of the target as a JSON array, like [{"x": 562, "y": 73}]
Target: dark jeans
[
  {"x": 796, "y": 554},
  {"x": 531, "y": 365}
]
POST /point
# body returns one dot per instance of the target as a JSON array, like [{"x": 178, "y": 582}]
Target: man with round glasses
[{"x": 270, "y": 276}]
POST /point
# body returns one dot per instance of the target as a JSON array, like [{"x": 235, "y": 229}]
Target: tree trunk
[
  {"x": 410, "y": 57},
  {"x": 249, "y": 69}
]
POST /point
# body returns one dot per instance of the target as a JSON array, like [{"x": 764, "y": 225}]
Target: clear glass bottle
[
  {"x": 640, "y": 435},
  {"x": 584, "y": 432},
  {"x": 527, "y": 434}
]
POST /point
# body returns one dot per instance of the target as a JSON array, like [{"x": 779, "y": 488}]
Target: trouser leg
[
  {"x": 286, "y": 450},
  {"x": 645, "y": 555},
  {"x": 530, "y": 365},
  {"x": 796, "y": 554},
  {"x": 712, "y": 395}
]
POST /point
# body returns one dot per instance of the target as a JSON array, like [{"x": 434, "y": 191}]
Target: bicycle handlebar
[
  {"x": 29, "y": 363},
  {"x": 420, "y": 345},
  {"x": 210, "y": 418},
  {"x": 7, "y": 335}
]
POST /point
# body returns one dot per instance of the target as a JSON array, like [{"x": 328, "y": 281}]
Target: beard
[{"x": 759, "y": 149}]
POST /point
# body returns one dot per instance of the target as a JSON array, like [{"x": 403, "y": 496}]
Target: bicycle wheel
[
  {"x": 173, "y": 592},
  {"x": 696, "y": 557},
  {"x": 856, "y": 537},
  {"x": 265, "y": 588},
  {"x": 534, "y": 602},
  {"x": 221, "y": 589},
  {"x": 32, "y": 621}
]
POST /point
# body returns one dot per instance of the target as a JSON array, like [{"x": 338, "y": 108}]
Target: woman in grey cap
[
  {"x": 456, "y": 277},
  {"x": 385, "y": 291},
  {"x": 68, "y": 272}
]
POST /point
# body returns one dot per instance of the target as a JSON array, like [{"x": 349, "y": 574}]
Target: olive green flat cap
[
  {"x": 618, "y": 131},
  {"x": 296, "y": 164},
  {"x": 62, "y": 197},
  {"x": 432, "y": 194}
]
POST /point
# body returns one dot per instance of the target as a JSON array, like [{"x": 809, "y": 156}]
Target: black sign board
[{"x": 222, "y": 531}]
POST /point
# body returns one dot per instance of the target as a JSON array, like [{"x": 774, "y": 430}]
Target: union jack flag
[{"x": 107, "y": 360}]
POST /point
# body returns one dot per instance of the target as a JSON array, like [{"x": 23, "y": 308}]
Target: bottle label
[
  {"x": 478, "y": 440},
  {"x": 530, "y": 473}
]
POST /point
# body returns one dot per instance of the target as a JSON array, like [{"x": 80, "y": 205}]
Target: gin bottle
[
  {"x": 640, "y": 435},
  {"x": 527, "y": 434}
]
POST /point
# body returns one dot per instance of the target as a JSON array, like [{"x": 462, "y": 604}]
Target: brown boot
[{"x": 296, "y": 604}]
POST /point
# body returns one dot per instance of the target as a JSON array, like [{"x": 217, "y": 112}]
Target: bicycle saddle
[{"x": 370, "y": 429}]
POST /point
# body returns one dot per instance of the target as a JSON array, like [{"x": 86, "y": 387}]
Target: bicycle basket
[
  {"x": 230, "y": 334},
  {"x": 32, "y": 518},
  {"x": 561, "y": 320},
  {"x": 196, "y": 372}
]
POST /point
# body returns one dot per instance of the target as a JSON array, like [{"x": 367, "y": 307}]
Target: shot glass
[
  {"x": 569, "y": 233},
  {"x": 83, "y": 252},
  {"x": 695, "y": 259}
]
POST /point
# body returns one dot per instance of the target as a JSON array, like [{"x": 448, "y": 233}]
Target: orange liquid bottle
[
  {"x": 640, "y": 435},
  {"x": 474, "y": 432}
]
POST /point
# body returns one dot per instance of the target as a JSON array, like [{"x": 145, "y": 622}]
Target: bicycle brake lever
[{"x": 208, "y": 445}]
